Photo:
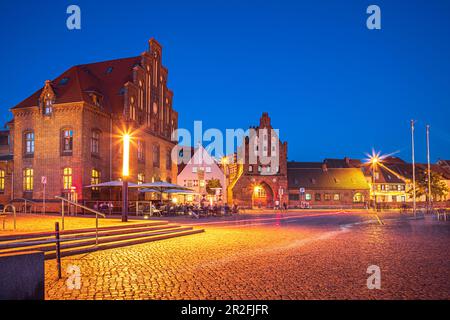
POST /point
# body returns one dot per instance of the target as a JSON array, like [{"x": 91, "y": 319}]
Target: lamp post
[
  {"x": 225, "y": 187},
  {"x": 413, "y": 167},
  {"x": 125, "y": 174},
  {"x": 429, "y": 169},
  {"x": 374, "y": 160}
]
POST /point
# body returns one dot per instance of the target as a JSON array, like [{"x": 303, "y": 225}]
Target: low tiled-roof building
[{"x": 315, "y": 185}]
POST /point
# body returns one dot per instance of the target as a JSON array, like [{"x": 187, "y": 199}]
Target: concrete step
[
  {"x": 90, "y": 240},
  {"x": 80, "y": 241},
  {"x": 74, "y": 231},
  {"x": 117, "y": 244},
  {"x": 28, "y": 242}
]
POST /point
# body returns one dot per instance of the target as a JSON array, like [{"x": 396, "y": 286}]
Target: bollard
[{"x": 58, "y": 250}]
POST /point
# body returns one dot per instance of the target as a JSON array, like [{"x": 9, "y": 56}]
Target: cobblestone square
[{"x": 303, "y": 257}]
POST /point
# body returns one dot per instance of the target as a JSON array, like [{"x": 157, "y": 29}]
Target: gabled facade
[
  {"x": 201, "y": 168},
  {"x": 256, "y": 182},
  {"x": 68, "y": 133}
]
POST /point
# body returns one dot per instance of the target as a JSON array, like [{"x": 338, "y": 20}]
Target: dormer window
[
  {"x": 96, "y": 99},
  {"x": 47, "y": 98}
]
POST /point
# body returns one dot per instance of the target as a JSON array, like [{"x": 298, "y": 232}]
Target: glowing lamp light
[
  {"x": 126, "y": 155},
  {"x": 174, "y": 200}
]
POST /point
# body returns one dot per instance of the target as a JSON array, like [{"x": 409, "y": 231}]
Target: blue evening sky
[{"x": 332, "y": 87}]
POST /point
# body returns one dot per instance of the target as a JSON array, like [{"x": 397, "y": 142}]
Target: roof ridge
[{"x": 106, "y": 61}]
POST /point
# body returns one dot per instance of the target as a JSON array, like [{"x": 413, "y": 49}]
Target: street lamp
[
  {"x": 125, "y": 173},
  {"x": 374, "y": 160},
  {"x": 225, "y": 187}
]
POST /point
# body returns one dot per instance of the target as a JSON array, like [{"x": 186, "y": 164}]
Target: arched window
[
  {"x": 28, "y": 179},
  {"x": 29, "y": 142},
  {"x": 67, "y": 178}
]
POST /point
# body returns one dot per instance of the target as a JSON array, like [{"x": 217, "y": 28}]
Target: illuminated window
[
  {"x": 29, "y": 142},
  {"x": 208, "y": 169},
  {"x": 194, "y": 169},
  {"x": 67, "y": 178},
  {"x": 28, "y": 179},
  {"x": 95, "y": 142},
  {"x": 327, "y": 197},
  {"x": 140, "y": 178},
  {"x": 336, "y": 197},
  {"x": 358, "y": 197},
  {"x": 95, "y": 178},
  {"x": 250, "y": 168},
  {"x": 67, "y": 140},
  {"x": 2, "y": 180},
  {"x": 202, "y": 183},
  {"x": 308, "y": 197},
  {"x": 260, "y": 192}
]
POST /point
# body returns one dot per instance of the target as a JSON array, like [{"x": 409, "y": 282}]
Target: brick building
[
  {"x": 69, "y": 131},
  {"x": 259, "y": 176}
]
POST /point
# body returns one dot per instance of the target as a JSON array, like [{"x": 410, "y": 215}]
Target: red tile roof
[{"x": 93, "y": 77}]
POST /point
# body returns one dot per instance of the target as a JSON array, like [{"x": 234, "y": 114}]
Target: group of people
[
  {"x": 196, "y": 211},
  {"x": 169, "y": 209}
]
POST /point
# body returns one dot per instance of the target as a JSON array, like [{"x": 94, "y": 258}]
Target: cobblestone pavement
[{"x": 314, "y": 258}]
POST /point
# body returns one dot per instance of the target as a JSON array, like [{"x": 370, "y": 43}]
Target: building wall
[
  {"x": 346, "y": 198},
  {"x": 47, "y": 159},
  {"x": 82, "y": 119}
]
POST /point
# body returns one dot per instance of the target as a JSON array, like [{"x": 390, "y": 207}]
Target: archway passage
[{"x": 263, "y": 196}]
